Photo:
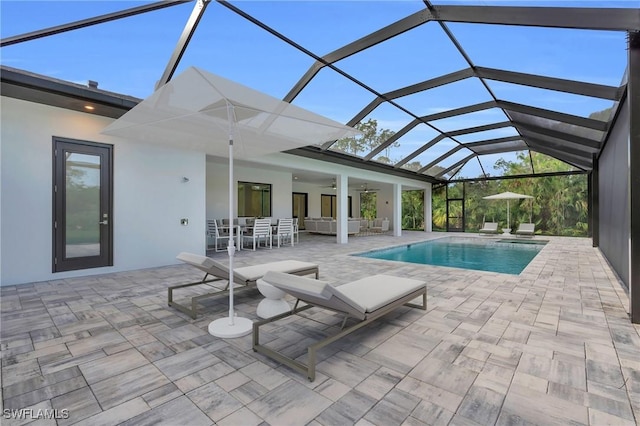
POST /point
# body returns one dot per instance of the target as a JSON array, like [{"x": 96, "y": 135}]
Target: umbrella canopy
[
  {"x": 507, "y": 196},
  {"x": 204, "y": 112},
  {"x": 191, "y": 112}
]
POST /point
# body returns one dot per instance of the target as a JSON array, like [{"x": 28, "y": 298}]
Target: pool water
[{"x": 496, "y": 255}]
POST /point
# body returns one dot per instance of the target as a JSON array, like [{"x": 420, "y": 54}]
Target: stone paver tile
[
  {"x": 125, "y": 386},
  {"x": 232, "y": 381},
  {"x": 40, "y": 382},
  {"x": 264, "y": 375},
  {"x": 179, "y": 411},
  {"x": 333, "y": 389},
  {"x": 429, "y": 413},
  {"x": 184, "y": 363},
  {"x": 599, "y": 418},
  {"x": 289, "y": 404},
  {"x": 444, "y": 375},
  {"x": 621, "y": 409},
  {"x": 201, "y": 377},
  {"x": 526, "y": 404},
  {"x": 604, "y": 373},
  {"x": 94, "y": 343},
  {"x": 347, "y": 368},
  {"x": 568, "y": 374},
  {"x": 458, "y": 420},
  {"x": 249, "y": 392},
  {"x": 28, "y": 415},
  {"x": 394, "y": 408},
  {"x": 79, "y": 403},
  {"x": 16, "y": 373},
  {"x": 448, "y": 400},
  {"x": 531, "y": 382},
  {"x": 351, "y": 407},
  {"x": 44, "y": 393},
  {"x": 85, "y": 325},
  {"x": 214, "y": 401},
  {"x": 243, "y": 416},
  {"x": 481, "y": 405},
  {"x": 155, "y": 351},
  {"x": 58, "y": 364},
  {"x": 404, "y": 348},
  {"x": 109, "y": 366},
  {"x": 162, "y": 394},
  {"x": 180, "y": 334},
  {"x": 379, "y": 383}
]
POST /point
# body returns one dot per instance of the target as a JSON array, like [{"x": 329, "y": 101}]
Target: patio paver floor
[{"x": 553, "y": 345}]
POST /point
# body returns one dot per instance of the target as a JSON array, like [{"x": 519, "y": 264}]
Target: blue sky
[{"x": 129, "y": 55}]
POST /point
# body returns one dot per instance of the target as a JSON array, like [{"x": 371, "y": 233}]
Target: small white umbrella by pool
[
  {"x": 204, "y": 112},
  {"x": 507, "y": 196}
]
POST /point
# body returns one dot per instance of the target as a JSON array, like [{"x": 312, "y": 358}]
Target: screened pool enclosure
[{"x": 463, "y": 91}]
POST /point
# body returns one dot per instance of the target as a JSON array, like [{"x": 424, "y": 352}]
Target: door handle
[{"x": 104, "y": 222}]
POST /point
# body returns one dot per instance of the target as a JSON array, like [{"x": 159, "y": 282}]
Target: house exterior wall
[
  {"x": 150, "y": 196},
  {"x": 614, "y": 207},
  {"x": 218, "y": 188}
]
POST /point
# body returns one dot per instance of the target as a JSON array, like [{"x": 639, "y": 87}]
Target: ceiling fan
[
  {"x": 365, "y": 188},
  {"x": 332, "y": 186}
]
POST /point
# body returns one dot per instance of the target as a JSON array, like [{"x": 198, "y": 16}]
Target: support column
[
  {"x": 428, "y": 223},
  {"x": 342, "y": 213},
  {"x": 594, "y": 203},
  {"x": 633, "y": 98},
  {"x": 397, "y": 210}
]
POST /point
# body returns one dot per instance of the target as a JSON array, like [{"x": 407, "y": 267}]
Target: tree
[{"x": 370, "y": 139}]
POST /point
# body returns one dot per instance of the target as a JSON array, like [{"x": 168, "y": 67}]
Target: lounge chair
[
  {"x": 526, "y": 230},
  {"x": 489, "y": 228},
  {"x": 366, "y": 300},
  {"x": 244, "y": 276}
]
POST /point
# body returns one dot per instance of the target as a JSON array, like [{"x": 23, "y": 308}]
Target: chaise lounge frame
[
  {"x": 220, "y": 272},
  {"x": 310, "y": 367}
]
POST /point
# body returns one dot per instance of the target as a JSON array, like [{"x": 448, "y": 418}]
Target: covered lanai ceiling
[{"x": 457, "y": 86}]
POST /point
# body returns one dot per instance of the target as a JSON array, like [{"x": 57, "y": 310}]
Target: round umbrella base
[{"x": 222, "y": 327}]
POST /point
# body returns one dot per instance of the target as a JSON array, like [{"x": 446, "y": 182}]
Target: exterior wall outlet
[{"x": 184, "y": 221}]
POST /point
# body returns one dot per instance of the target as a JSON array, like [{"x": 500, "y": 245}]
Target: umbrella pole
[
  {"x": 508, "y": 216},
  {"x": 233, "y": 326},
  {"x": 231, "y": 249}
]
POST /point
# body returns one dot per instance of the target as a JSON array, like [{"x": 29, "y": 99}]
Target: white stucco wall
[
  {"x": 150, "y": 197},
  {"x": 218, "y": 188}
]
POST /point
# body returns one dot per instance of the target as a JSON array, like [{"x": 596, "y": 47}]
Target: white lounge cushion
[
  {"x": 253, "y": 272},
  {"x": 357, "y": 297},
  {"x": 299, "y": 285},
  {"x": 376, "y": 291},
  {"x": 203, "y": 262}
]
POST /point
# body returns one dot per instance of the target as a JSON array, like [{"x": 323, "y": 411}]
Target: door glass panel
[
  {"x": 300, "y": 208},
  {"x": 82, "y": 180}
]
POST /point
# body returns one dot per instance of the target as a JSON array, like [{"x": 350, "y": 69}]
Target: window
[{"x": 254, "y": 199}]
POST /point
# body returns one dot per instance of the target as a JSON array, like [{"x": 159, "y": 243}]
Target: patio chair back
[
  {"x": 261, "y": 230},
  {"x": 284, "y": 231},
  {"x": 213, "y": 231}
]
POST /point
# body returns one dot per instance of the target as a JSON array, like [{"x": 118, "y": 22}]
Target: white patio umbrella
[
  {"x": 507, "y": 196},
  {"x": 201, "y": 111}
]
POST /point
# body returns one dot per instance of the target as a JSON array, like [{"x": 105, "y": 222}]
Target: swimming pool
[{"x": 496, "y": 255}]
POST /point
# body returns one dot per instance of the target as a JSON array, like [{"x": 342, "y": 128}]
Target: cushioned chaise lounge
[
  {"x": 489, "y": 228},
  {"x": 244, "y": 276},
  {"x": 526, "y": 230},
  {"x": 366, "y": 300}
]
